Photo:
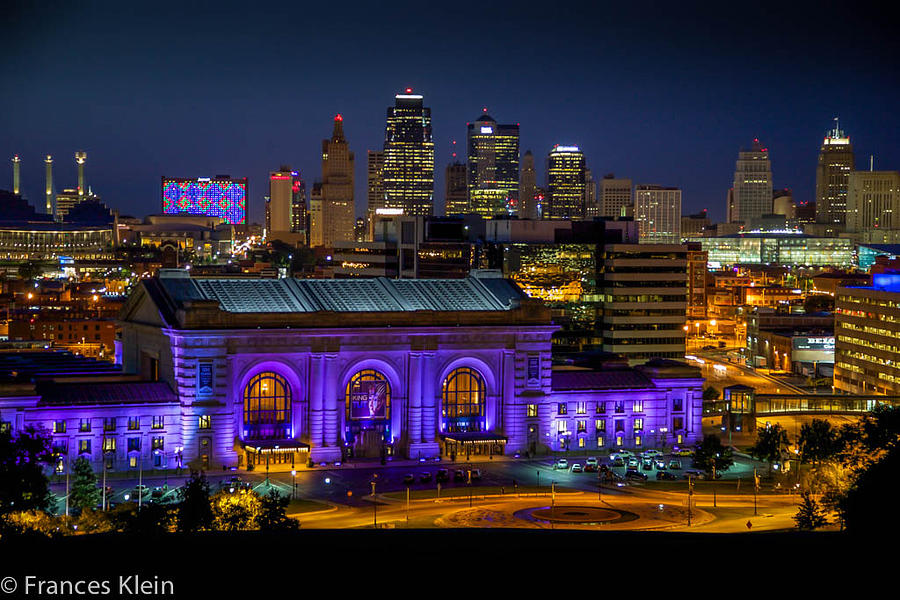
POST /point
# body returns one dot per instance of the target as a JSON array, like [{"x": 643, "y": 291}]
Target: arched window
[
  {"x": 267, "y": 408},
  {"x": 368, "y": 397},
  {"x": 463, "y": 396}
]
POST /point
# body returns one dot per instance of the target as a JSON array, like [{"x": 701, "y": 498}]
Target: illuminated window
[
  {"x": 600, "y": 424},
  {"x": 638, "y": 424},
  {"x": 267, "y": 408},
  {"x": 109, "y": 444},
  {"x": 132, "y": 461},
  {"x": 582, "y": 426},
  {"x": 562, "y": 408},
  {"x": 158, "y": 422},
  {"x": 581, "y": 442},
  {"x": 619, "y": 440},
  {"x": 600, "y": 441},
  {"x": 134, "y": 423},
  {"x": 463, "y": 400},
  {"x": 59, "y": 426},
  {"x": 601, "y": 408},
  {"x": 638, "y": 406},
  {"x": 158, "y": 443},
  {"x": 84, "y": 446},
  {"x": 532, "y": 410},
  {"x": 204, "y": 422},
  {"x": 368, "y": 397},
  {"x": 637, "y": 440},
  {"x": 581, "y": 408},
  {"x": 84, "y": 425}
]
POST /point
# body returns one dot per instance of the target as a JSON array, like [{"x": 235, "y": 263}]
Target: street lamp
[{"x": 294, "y": 479}]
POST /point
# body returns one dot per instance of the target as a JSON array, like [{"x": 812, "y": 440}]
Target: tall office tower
[
  {"x": 835, "y": 163},
  {"x": 49, "y": 189},
  {"x": 299, "y": 217},
  {"x": 65, "y": 201},
  {"x": 645, "y": 292},
  {"x": 16, "y": 178},
  {"x": 456, "y": 197},
  {"x": 752, "y": 195},
  {"x": 591, "y": 205},
  {"x": 333, "y": 212},
  {"x": 80, "y": 159},
  {"x": 565, "y": 183},
  {"x": 615, "y": 197},
  {"x": 375, "y": 180},
  {"x": 528, "y": 188},
  {"x": 287, "y": 195},
  {"x": 409, "y": 156},
  {"x": 873, "y": 206},
  {"x": 694, "y": 225},
  {"x": 493, "y": 170},
  {"x": 657, "y": 211}
]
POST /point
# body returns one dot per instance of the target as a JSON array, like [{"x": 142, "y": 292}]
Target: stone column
[
  {"x": 330, "y": 401},
  {"x": 414, "y": 399},
  {"x": 429, "y": 402},
  {"x": 315, "y": 401},
  {"x": 420, "y": 396},
  {"x": 509, "y": 410}
]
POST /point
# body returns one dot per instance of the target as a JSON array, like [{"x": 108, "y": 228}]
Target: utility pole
[
  {"x": 714, "y": 483},
  {"x": 374, "y": 507},
  {"x": 407, "y": 505},
  {"x": 755, "y": 489},
  {"x": 140, "y": 483},
  {"x": 104, "y": 481}
]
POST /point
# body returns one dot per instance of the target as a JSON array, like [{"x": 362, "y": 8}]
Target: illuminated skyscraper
[
  {"x": 657, "y": 211},
  {"x": 333, "y": 216},
  {"x": 528, "y": 189},
  {"x": 873, "y": 206},
  {"x": 493, "y": 168},
  {"x": 591, "y": 207},
  {"x": 286, "y": 206},
  {"x": 752, "y": 195},
  {"x": 456, "y": 198},
  {"x": 615, "y": 198},
  {"x": 565, "y": 183},
  {"x": 832, "y": 176},
  {"x": 409, "y": 156}
]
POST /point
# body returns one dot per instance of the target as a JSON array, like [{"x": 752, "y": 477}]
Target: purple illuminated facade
[{"x": 242, "y": 371}]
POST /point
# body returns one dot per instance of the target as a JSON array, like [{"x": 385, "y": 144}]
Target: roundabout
[{"x": 577, "y": 515}]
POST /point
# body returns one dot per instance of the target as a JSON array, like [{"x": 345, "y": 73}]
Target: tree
[
  {"x": 867, "y": 506},
  {"x": 23, "y": 484},
  {"x": 710, "y": 393},
  {"x": 153, "y": 518},
  {"x": 30, "y": 270},
  {"x": 83, "y": 491},
  {"x": 711, "y": 453},
  {"x": 810, "y": 515},
  {"x": 236, "y": 511},
  {"x": 194, "y": 509},
  {"x": 818, "y": 441},
  {"x": 815, "y": 303},
  {"x": 273, "y": 513},
  {"x": 771, "y": 445}
]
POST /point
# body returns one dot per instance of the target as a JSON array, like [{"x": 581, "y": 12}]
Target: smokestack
[
  {"x": 49, "y": 192},
  {"x": 15, "y": 161},
  {"x": 80, "y": 159},
  {"x": 871, "y": 162}
]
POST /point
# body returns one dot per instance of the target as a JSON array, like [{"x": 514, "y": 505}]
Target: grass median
[{"x": 477, "y": 490}]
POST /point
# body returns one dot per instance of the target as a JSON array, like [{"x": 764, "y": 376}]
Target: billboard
[
  {"x": 368, "y": 400},
  {"x": 212, "y": 197}
]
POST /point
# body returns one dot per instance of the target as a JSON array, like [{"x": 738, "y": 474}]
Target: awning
[
  {"x": 474, "y": 437},
  {"x": 274, "y": 447}
]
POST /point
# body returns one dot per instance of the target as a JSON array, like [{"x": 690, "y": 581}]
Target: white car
[
  {"x": 561, "y": 463},
  {"x": 576, "y": 468},
  {"x": 590, "y": 461},
  {"x": 651, "y": 453}
]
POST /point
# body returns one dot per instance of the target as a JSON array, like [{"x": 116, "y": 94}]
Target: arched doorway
[
  {"x": 462, "y": 401},
  {"x": 267, "y": 422},
  {"x": 367, "y": 417}
]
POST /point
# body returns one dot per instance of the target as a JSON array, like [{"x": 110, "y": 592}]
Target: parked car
[
  {"x": 576, "y": 468},
  {"x": 693, "y": 473},
  {"x": 157, "y": 493},
  {"x": 590, "y": 468},
  {"x": 623, "y": 454},
  {"x": 476, "y": 474},
  {"x": 635, "y": 475},
  {"x": 665, "y": 475},
  {"x": 409, "y": 479},
  {"x": 442, "y": 475},
  {"x": 561, "y": 463},
  {"x": 651, "y": 453},
  {"x": 647, "y": 464},
  {"x": 425, "y": 477},
  {"x": 683, "y": 452},
  {"x": 675, "y": 464},
  {"x": 612, "y": 477},
  {"x": 660, "y": 465},
  {"x": 140, "y": 490},
  {"x": 632, "y": 462},
  {"x": 459, "y": 475},
  {"x": 617, "y": 462}
]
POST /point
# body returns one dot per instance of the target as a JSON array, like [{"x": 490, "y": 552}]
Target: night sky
[{"x": 662, "y": 94}]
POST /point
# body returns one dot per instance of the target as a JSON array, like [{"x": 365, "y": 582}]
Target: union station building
[{"x": 240, "y": 372}]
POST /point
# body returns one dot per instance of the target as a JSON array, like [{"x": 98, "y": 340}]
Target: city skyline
[{"x": 190, "y": 133}]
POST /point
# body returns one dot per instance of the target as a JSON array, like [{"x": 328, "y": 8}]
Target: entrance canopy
[
  {"x": 474, "y": 438},
  {"x": 272, "y": 447}
]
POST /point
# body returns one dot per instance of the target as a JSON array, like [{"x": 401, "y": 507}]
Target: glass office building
[{"x": 790, "y": 249}]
